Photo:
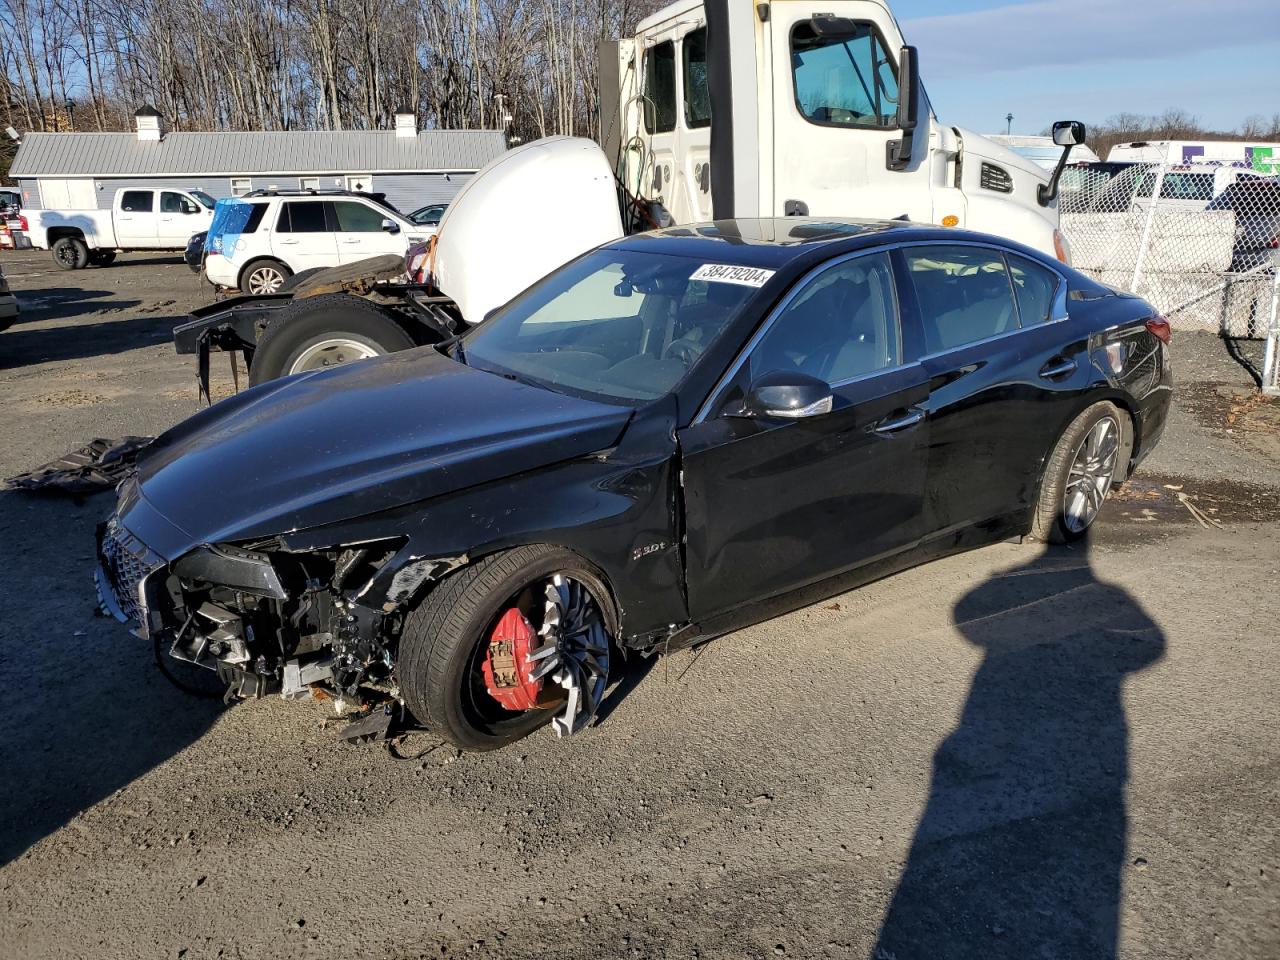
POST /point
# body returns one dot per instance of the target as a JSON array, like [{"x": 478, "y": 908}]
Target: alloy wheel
[
  {"x": 1089, "y": 478},
  {"x": 265, "y": 280}
]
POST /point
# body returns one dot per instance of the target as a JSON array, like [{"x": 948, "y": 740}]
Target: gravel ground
[{"x": 1072, "y": 753}]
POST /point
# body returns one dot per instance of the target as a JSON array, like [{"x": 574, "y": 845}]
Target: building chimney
[
  {"x": 150, "y": 123},
  {"x": 406, "y": 122}
]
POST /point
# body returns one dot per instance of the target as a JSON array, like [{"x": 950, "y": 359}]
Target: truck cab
[
  {"x": 803, "y": 107},
  {"x": 165, "y": 219}
]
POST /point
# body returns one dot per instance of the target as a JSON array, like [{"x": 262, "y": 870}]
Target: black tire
[
  {"x": 443, "y": 639},
  {"x": 70, "y": 253},
  {"x": 306, "y": 323},
  {"x": 1051, "y": 523},
  {"x": 292, "y": 283},
  {"x": 102, "y": 258},
  {"x": 260, "y": 268}
]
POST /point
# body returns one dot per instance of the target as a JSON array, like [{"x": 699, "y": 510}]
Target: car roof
[{"x": 780, "y": 241}]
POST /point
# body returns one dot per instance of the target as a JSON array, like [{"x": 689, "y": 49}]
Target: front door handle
[
  {"x": 1057, "y": 368},
  {"x": 287, "y": 241},
  {"x": 906, "y": 421}
]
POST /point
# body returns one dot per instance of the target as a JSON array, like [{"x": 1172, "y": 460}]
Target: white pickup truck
[{"x": 139, "y": 219}]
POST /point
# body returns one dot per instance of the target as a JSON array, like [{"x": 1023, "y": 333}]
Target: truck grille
[{"x": 125, "y": 563}]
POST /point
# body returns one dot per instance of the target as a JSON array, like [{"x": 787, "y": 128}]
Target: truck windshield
[
  {"x": 618, "y": 325},
  {"x": 202, "y": 198}
]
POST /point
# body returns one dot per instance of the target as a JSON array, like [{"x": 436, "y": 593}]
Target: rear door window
[
  {"x": 137, "y": 201},
  {"x": 302, "y": 217},
  {"x": 965, "y": 294},
  {"x": 660, "y": 88}
]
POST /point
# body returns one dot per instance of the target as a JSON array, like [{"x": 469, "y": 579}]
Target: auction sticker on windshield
[{"x": 727, "y": 273}]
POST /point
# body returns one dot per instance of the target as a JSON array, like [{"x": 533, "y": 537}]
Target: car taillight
[
  {"x": 22, "y": 224},
  {"x": 1160, "y": 327}
]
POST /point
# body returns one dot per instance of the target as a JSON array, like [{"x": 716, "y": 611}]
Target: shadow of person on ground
[
  {"x": 1021, "y": 848},
  {"x": 87, "y": 711}
]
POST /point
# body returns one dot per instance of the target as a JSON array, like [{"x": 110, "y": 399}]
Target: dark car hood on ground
[{"x": 351, "y": 441}]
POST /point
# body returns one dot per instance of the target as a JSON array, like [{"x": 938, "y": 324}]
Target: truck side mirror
[
  {"x": 1069, "y": 133},
  {"x": 1066, "y": 134},
  {"x": 390, "y": 226},
  {"x": 899, "y": 151}
]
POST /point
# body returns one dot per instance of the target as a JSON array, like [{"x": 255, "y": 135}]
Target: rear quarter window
[{"x": 1034, "y": 288}]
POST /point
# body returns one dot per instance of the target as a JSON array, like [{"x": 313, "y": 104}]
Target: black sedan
[{"x": 673, "y": 436}]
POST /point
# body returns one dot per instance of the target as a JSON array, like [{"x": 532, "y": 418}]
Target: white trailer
[{"x": 1263, "y": 158}]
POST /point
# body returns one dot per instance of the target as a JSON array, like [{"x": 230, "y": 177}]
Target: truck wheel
[
  {"x": 325, "y": 331},
  {"x": 1079, "y": 474},
  {"x": 264, "y": 276},
  {"x": 102, "y": 258},
  {"x": 70, "y": 253},
  {"x": 448, "y": 673}
]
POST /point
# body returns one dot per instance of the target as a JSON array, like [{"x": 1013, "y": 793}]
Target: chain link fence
[{"x": 1200, "y": 242}]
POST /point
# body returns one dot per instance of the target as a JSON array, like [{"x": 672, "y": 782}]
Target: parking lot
[{"x": 1016, "y": 752}]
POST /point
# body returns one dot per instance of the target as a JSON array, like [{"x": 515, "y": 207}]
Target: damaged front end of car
[{"x": 322, "y": 624}]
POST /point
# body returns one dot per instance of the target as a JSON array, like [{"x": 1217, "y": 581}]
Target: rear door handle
[
  {"x": 892, "y": 425},
  {"x": 286, "y": 241},
  {"x": 1055, "y": 369}
]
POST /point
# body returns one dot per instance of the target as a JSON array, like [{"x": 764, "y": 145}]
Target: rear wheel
[
  {"x": 70, "y": 253},
  {"x": 325, "y": 331},
  {"x": 264, "y": 276},
  {"x": 1079, "y": 474},
  {"x": 506, "y": 645}
]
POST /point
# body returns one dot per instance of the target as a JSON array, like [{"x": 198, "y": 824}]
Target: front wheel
[
  {"x": 1083, "y": 466},
  {"x": 499, "y": 648}
]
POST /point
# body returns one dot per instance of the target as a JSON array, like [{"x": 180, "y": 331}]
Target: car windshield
[
  {"x": 616, "y": 324},
  {"x": 202, "y": 198}
]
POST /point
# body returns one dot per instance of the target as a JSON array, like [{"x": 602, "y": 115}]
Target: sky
[{"x": 1046, "y": 60}]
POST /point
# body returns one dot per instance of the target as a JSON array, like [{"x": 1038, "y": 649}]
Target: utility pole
[{"x": 1008, "y": 121}]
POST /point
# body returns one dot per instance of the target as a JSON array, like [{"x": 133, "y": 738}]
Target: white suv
[{"x": 287, "y": 233}]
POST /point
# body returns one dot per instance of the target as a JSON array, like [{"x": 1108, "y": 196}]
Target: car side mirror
[
  {"x": 787, "y": 395},
  {"x": 390, "y": 226},
  {"x": 899, "y": 151}
]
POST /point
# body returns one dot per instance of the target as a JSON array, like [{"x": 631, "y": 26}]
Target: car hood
[{"x": 336, "y": 444}]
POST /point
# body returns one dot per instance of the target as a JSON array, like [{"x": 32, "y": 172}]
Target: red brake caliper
[{"x": 506, "y": 663}]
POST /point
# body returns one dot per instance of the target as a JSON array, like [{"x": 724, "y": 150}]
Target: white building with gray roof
[{"x": 82, "y": 171}]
